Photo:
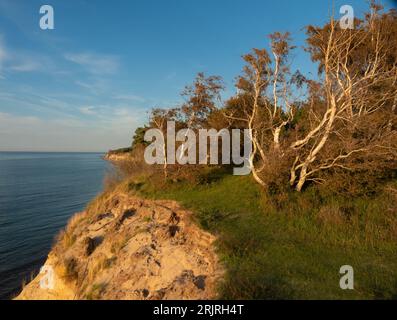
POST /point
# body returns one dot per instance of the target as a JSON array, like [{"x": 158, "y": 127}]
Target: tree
[
  {"x": 138, "y": 138},
  {"x": 158, "y": 119},
  {"x": 264, "y": 93},
  {"x": 358, "y": 69},
  {"x": 201, "y": 99}
]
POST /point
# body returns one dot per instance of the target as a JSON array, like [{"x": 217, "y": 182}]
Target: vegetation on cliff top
[
  {"x": 293, "y": 248},
  {"x": 335, "y": 144},
  {"x": 323, "y": 192}
]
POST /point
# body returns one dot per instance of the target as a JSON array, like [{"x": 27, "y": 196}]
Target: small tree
[
  {"x": 201, "y": 99},
  {"x": 158, "y": 119},
  {"x": 138, "y": 138}
]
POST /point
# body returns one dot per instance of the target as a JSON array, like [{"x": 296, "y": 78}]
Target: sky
[{"x": 90, "y": 82}]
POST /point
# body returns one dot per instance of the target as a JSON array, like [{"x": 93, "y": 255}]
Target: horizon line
[{"x": 49, "y": 151}]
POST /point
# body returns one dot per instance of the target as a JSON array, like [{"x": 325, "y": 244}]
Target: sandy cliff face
[{"x": 131, "y": 248}]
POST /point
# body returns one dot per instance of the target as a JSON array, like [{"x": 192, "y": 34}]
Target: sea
[{"x": 39, "y": 192}]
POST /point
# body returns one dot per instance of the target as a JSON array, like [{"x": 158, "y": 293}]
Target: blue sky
[{"x": 87, "y": 85}]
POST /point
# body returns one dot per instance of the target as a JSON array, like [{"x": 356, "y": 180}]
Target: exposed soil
[{"x": 138, "y": 249}]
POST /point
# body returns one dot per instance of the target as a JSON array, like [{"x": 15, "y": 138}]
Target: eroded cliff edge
[{"x": 124, "y": 247}]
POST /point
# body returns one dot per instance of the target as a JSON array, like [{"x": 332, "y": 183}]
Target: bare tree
[
  {"x": 354, "y": 93},
  {"x": 158, "y": 119},
  {"x": 264, "y": 97}
]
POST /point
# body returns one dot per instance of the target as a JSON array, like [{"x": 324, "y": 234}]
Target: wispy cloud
[
  {"x": 25, "y": 66},
  {"x": 95, "y": 63},
  {"x": 68, "y": 134},
  {"x": 2, "y": 51},
  {"x": 88, "y": 110},
  {"x": 95, "y": 86},
  {"x": 12, "y": 60},
  {"x": 170, "y": 76},
  {"x": 3, "y": 55},
  {"x": 129, "y": 97},
  {"x": 8, "y": 118}
]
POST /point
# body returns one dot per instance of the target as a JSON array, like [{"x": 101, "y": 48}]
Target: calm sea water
[{"x": 39, "y": 192}]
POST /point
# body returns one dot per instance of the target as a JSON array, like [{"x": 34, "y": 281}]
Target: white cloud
[
  {"x": 170, "y": 76},
  {"x": 129, "y": 97},
  {"x": 3, "y": 55},
  {"x": 27, "y": 120},
  {"x": 122, "y": 112},
  {"x": 24, "y": 133},
  {"x": 26, "y": 66},
  {"x": 23, "y": 61},
  {"x": 96, "y": 86},
  {"x": 88, "y": 110},
  {"x": 95, "y": 63}
]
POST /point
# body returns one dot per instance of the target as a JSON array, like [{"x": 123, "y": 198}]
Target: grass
[{"x": 292, "y": 248}]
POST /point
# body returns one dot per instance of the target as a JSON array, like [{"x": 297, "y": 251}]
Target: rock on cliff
[{"x": 130, "y": 248}]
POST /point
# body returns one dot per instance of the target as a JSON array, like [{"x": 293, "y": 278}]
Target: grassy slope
[{"x": 294, "y": 251}]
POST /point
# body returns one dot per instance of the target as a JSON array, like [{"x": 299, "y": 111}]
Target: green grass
[{"x": 294, "y": 248}]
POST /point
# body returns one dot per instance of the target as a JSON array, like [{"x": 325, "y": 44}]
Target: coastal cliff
[
  {"x": 123, "y": 154},
  {"x": 124, "y": 247},
  {"x": 117, "y": 157}
]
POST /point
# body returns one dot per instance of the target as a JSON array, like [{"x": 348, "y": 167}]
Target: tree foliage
[{"x": 304, "y": 130}]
